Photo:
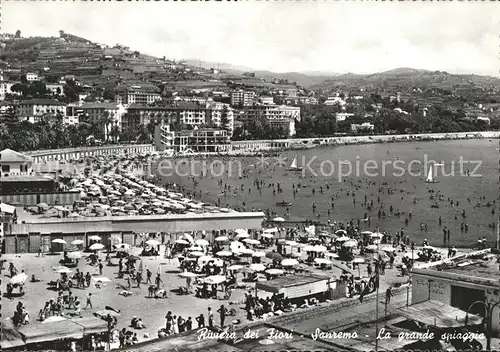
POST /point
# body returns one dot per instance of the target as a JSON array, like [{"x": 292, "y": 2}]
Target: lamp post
[{"x": 489, "y": 307}]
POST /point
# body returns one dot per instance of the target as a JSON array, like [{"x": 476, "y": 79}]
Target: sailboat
[
  {"x": 293, "y": 166},
  {"x": 430, "y": 177}
]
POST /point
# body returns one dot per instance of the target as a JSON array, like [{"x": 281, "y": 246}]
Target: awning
[
  {"x": 50, "y": 332},
  {"x": 7, "y": 208},
  {"x": 435, "y": 313},
  {"x": 10, "y": 337},
  {"x": 92, "y": 325}
]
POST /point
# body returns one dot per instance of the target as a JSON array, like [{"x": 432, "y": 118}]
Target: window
[{"x": 5, "y": 168}]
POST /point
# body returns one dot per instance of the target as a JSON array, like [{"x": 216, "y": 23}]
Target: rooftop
[
  {"x": 11, "y": 156},
  {"x": 481, "y": 265},
  {"x": 42, "y": 102},
  {"x": 20, "y": 178},
  {"x": 289, "y": 281}
]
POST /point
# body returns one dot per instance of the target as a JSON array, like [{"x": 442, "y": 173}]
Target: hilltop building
[
  {"x": 241, "y": 98},
  {"x": 137, "y": 94}
]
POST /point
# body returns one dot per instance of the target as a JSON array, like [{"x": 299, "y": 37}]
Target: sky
[{"x": 282, "y": 36}]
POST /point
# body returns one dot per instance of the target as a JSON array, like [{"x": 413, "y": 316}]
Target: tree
[
  {"x": 18, "y": 34},
  {"x": 106, "y": 120}
]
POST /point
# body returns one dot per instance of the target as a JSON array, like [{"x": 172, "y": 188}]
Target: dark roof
[
  {"x": 11, "y": 156},
  {"x": 42, "y": 102},
  {"x": 10, "y": 337},
  {"x": 19, "y": 178},
  {"x": 479, "y": 268}
]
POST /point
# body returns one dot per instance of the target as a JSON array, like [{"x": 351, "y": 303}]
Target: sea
[{"x": 465, "y": 172}]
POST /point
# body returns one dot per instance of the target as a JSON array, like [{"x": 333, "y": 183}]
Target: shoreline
[{"x": 322, "y": 142}]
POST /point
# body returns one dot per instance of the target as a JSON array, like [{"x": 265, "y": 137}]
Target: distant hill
[
  {"x": 305, "y": 79},
  {"x": 408, "y": 77}
]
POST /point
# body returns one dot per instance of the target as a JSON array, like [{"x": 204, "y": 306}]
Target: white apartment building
[
  {"x": 94, "y": 112},
  {"x": 138, "y": 94},
  {"x": 217, "y": 110},
  {"x": 33, "y": 110},
  {"x": 6, "y": 88},
  {"x": 276, "y": 115},
  {"x": 32, "y": 76},
  {"x": 266, "y": 100},
  {"x": 191, "y": 114},
  {"x": 334, "y": 101},
  {"x": 342, "y": 116},
  {"x": 242, "y": 98}
]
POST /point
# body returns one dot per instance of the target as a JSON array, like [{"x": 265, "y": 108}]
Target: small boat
[
  {"x": 284, "y": 204},
  {"x": 430, "y": 178},
  {"x": 293, "y": 166}
]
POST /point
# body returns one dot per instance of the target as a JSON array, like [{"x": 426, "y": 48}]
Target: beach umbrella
[
  {"x": 389, "y": 249},
  {"x": 96, "y": 247},
  {"x": 279, "y": 219},
  {"x": 267, "y": 235},
  {"x": 274, "y": 256},
  {"x": 236, "y": 246},
  {"x": 195, "y": 248},
  {"x": 63, "y": 270},
  {"x": 257, "y": 267},
  {"x": 196, "y": 254},
  {"x": 274, "y": 271},
  {"x": 72, "y": 215},
  {"x": 251, "y": 241},
  {"x": 53, "y": 319},
  {"x": 74, "y": 255},
  {"x": 377, "y": 235},
  {"x": 201, "y": 242},
  {"x": 289, "y": 262},
  {"x": 319, "y": 249},
  {"x": 430, "y": 248},
  {"x": 241, "y": 232},
  {"x": 358, "y": 260},
  {"x": 43, "y": 206},
  {"x": 308, "y": 248},
  {"x": 221, "y": 239},
  {"x": 224, "y": 254},
  {"x": 371, "y": 248},
  {"x": 411, "y": 255},
  {"x": 19, "y": 279},
  {"x": 331, "y": 255},
  {"x": 258, "y": 254},
  {"x": 322, "y": 261},
  {"x": 291, "y": 243},
  {"x": 366, "y": 233},
  {"x": 246, "y": 251},
  {"x": 187, "y": 274},
  {"x": 215, "y": 279},
  {"x": 59, "y": 240},
  {"x": 94, "y": 238},
  {"x": 181, "y": 241},
  {"x": 341, "y": 232},
  {"x": 350, "y": 244},
  {"x": 235, "y": 267},
  {"x": 188, "y": 237},
  {"x": 242, "y": 235},
  {"x": 205, "y": 258},
  {"x": 271, "y": 230},
  {"x": 342, "y": 239},
  {"x": 153, "y": 243}
]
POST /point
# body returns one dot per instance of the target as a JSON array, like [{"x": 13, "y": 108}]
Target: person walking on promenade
[
  {"x": 100, "y": 266},
  {"x": 158, "y": 281},
  {"x": 388, "y": 295},
  {"x": 148, "y": 276},
  {"x": 139, "y": 279},
  {"x": 89, "y": 301}
]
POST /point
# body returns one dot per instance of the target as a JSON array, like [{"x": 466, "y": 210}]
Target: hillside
[
  {"x": 305, "y": 79},
  {"x": 407, "y": 78}
]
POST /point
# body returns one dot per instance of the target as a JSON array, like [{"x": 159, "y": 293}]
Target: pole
[
  {"x": 376, "y": 298},
  {"x": 407, "y": 295}
]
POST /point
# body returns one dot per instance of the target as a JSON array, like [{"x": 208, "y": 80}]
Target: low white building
[
  {"x": 342, "y": 116},
  {"x": 32, "y": 76},
  {"x": 14, "y": 163},
  {"x": 6, "y": 88},
  {"x": 33, "y": 110},
  {"x": 55, "y": 88},
  {"x": 364, "y": 127}
]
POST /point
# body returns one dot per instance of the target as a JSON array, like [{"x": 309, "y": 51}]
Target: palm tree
[{"x": 105, "y": 121}]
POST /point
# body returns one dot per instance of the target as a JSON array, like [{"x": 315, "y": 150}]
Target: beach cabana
[
  {"x": 39, "y": 333},
  {"x": 295, "y": 286}
]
